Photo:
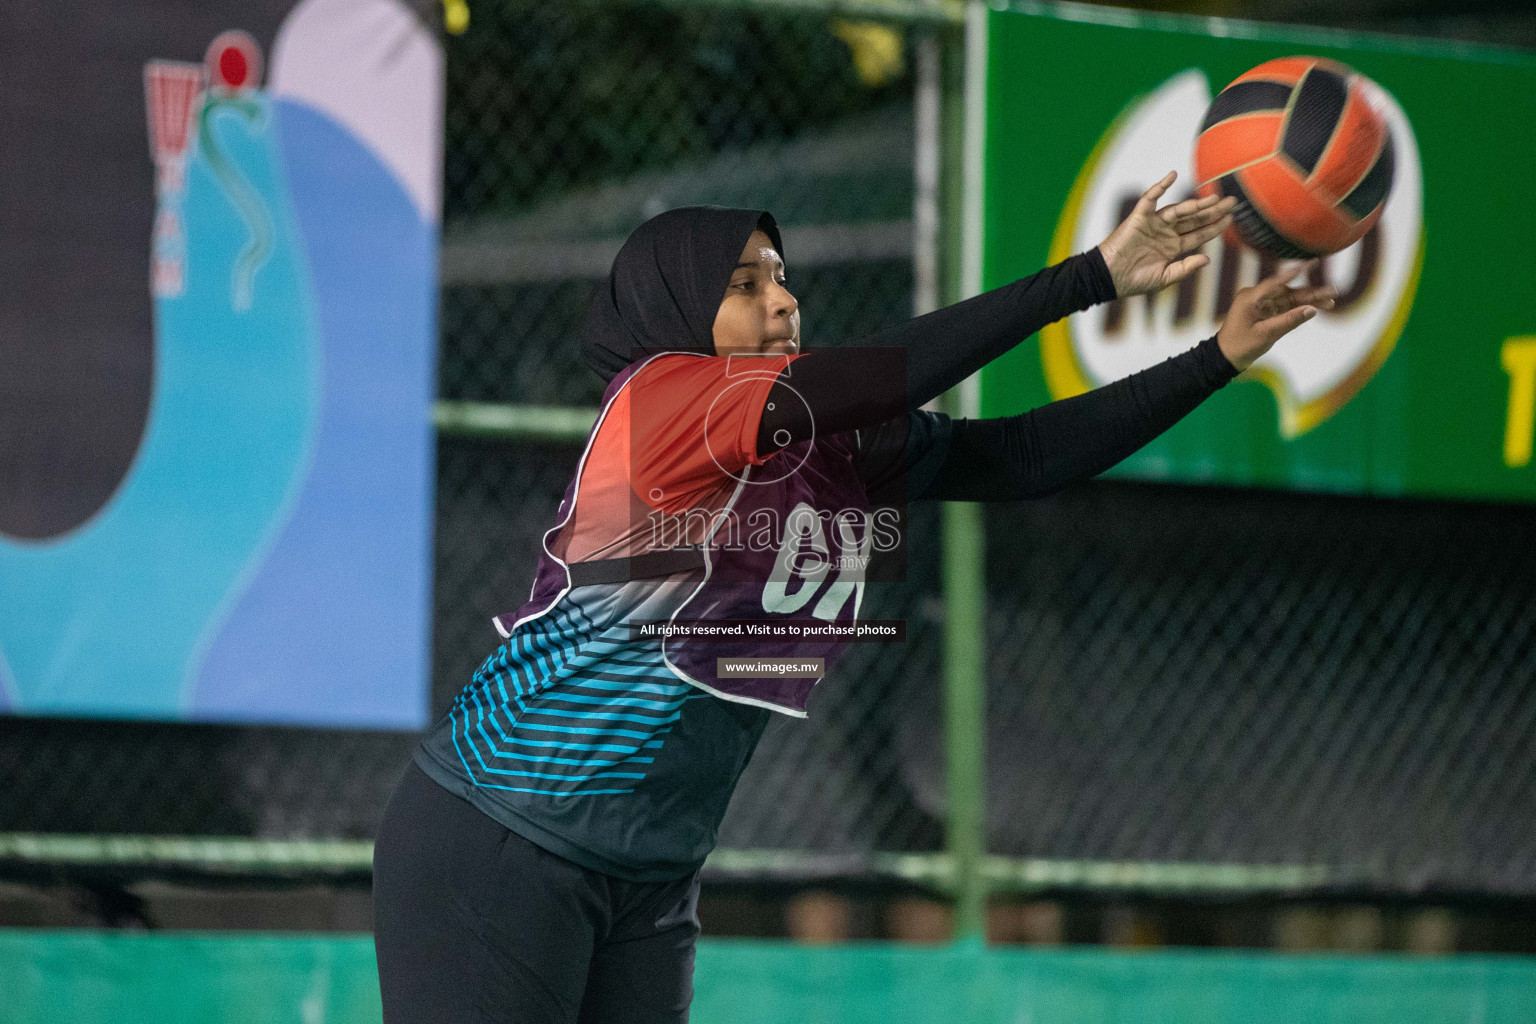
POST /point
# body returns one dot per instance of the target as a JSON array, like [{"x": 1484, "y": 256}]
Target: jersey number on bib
[{"x": 805, "y": 559}]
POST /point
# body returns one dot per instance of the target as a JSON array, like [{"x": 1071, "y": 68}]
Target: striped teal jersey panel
[
  {"x": 582, "y": 740},
  {"x": 564, "y": 708}
]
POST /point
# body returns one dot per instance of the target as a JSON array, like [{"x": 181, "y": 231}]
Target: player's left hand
[{"x": 1144, "y": 252}]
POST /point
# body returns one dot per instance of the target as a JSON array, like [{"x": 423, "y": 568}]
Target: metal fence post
[
  {"x": 964, "y": 544},
  {"x": 965, "y": 711}
]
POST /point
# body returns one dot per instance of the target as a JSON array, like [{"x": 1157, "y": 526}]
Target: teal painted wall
[{"x": 99, "y": 978}]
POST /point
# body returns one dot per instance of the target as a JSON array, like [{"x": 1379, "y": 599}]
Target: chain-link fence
[
  {"x": 570, "y": 124},
  {"x": 577, "y": 122},
  {"x": 1188, "y": 675},
  {"x": 1210, "y": 675}
]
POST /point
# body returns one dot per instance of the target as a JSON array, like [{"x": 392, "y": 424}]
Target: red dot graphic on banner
[
  {"x": 233, "y": 67},
  {"x": 233, "y": 62}
]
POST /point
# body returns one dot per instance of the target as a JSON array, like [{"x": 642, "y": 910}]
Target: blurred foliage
[{"x": 544, "y": 97}]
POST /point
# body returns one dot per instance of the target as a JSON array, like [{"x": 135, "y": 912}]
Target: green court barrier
[
  {"x": 96, "y": 978},
  {"x": 89, "y": 977}
]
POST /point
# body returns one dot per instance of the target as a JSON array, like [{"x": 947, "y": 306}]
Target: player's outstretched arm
[
  {"x": 1047, "y": 448},
  {"x": 901, "y": 368}
]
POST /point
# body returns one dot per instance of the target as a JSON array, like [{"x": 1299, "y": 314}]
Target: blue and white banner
[{"x": 234, "y": 523}]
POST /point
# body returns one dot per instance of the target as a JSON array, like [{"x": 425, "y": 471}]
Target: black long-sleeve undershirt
[
  {"x": 1042, "y": 450},
  {"x": 837, "y": 389},
  {"x": 878, "y": 387}
]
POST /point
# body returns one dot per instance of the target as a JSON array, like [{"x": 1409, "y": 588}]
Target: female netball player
[{"x": 539, "y": 862}]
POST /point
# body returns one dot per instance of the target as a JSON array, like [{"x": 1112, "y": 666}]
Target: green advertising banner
[{"x": 1421, "y": 381}]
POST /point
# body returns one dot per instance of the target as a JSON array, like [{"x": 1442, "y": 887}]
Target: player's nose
[{"x": 782, "y": 303}]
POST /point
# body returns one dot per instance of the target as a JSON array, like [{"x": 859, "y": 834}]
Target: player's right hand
[{"x": 1268, "y": 311}]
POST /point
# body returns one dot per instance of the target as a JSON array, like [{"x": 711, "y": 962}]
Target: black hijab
[{"x": 666, "y": 285}]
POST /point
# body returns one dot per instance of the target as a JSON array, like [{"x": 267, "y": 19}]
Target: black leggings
[{"x": 474, "y": 923}]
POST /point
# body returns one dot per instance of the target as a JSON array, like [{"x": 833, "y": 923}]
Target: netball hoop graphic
[
  {"x": 221, "y": 493},
  {"x": 183, "y": 101},
  {"x": 171, "y": 90}
]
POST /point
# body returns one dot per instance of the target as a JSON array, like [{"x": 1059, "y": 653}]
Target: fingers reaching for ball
[
  {"x": 1281, "y": 324},
  {"x": 1178, "y": 270},
  {"x": 1266, "y": 312},
  {"x": 1276, "y": 303},
  {"x": 1293, "y": 307},
  {"x": 1188, "y": 208},
  {"x": 1197, "y": 221},
  {"x": 1197, "y": 212},
  {"x": 1197, "y": 237},
  {"x": 1283, "y": 276},
  {"x": 1147, "y": 204}
]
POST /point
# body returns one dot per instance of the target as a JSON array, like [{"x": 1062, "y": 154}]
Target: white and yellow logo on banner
[{"x": 1312, "y": 372}]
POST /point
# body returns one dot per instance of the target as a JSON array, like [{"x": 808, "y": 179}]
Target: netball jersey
[{"x": 609, "y": 748}]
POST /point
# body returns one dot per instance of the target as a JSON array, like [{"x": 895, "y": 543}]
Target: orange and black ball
[{"x": 1298, "y": 142}]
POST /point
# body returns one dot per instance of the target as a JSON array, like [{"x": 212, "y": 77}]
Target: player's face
[{"x": 758, "y": 316}]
